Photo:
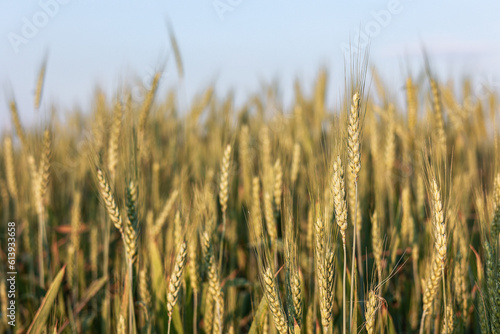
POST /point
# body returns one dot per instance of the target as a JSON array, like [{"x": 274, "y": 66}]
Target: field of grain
[{"x": 377, "y": 213}]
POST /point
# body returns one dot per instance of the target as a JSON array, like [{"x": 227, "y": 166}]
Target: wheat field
[{"x": 377, "y": 213}]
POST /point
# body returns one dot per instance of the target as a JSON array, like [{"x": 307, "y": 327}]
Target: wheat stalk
[
  {"x": 244, "y": 156},
  {"x": 194, "y": 278},
  {"x": 10, "y": 173},
  {"x": 3, "y": 300},
  {"x": 495, "y": 224}
]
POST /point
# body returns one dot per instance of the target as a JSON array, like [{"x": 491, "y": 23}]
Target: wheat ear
[
  {"x": 10, "y": 173},
  {"x": 371, "y": 310},
  {"x": 194, "y": 278},
  {"x": 439, "y": 255},
  {"x": 120, "y": 328},
  {"x": 353, "y": 138},
  {"x": 294, "y": 172},
  {"x": 113, "y": 140},
  {"x": 278, "y": 183},
  {"x": 377, "y": 244},
  {"x": 322, "y": 273},
  {"x": 147, "y": 103},
  {"x": 224, "y": 194},
  {"x": 109, "y": 200},
  {"x": 412, "y": 103},
  {"x": 438, "y": 114},
  {"x": 296, "y": 296},
  {"x": 449, "y": 324},
  {"x": 270, "y": 221},
  {"x": 274, "y": 301},
  {"x": 224, "y": 179},
  {"x": 492, "y": 287},
  {"x": 340, "y": 205},
  {"x": 144, "y": 285},
  {"x": 495, "y": 225},
  {"x": 175, "y": 279},
  {"x": 354, "y": 161},
  {"x": 17, "y": 124},
  {"x": 244, "y": 157},
  {"x": 256, "y": 211},
  {"x": 39, "y": 86},
  {"x": 41, "y": 188}
]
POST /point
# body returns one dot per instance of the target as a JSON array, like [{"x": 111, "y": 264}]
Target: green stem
[
  {"x": 41, "y": 226},
  {"x": 355, "y": 220},
  {"x": 130, "y": 298},
  {"x": 422, "y": 323},
  {"x": 444, "y": 297},
  {"x": 106, "y": 322},
  {"x": 222, "y": 240},
  {"x": 195, "y": 311},
  {"x": 344, "y": 299}
]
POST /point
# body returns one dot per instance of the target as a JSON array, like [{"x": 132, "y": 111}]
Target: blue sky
[{"x": 105, "y": 43}]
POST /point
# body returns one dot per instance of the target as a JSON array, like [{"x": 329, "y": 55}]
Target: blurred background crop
[{"x": 235, "y": 44}]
